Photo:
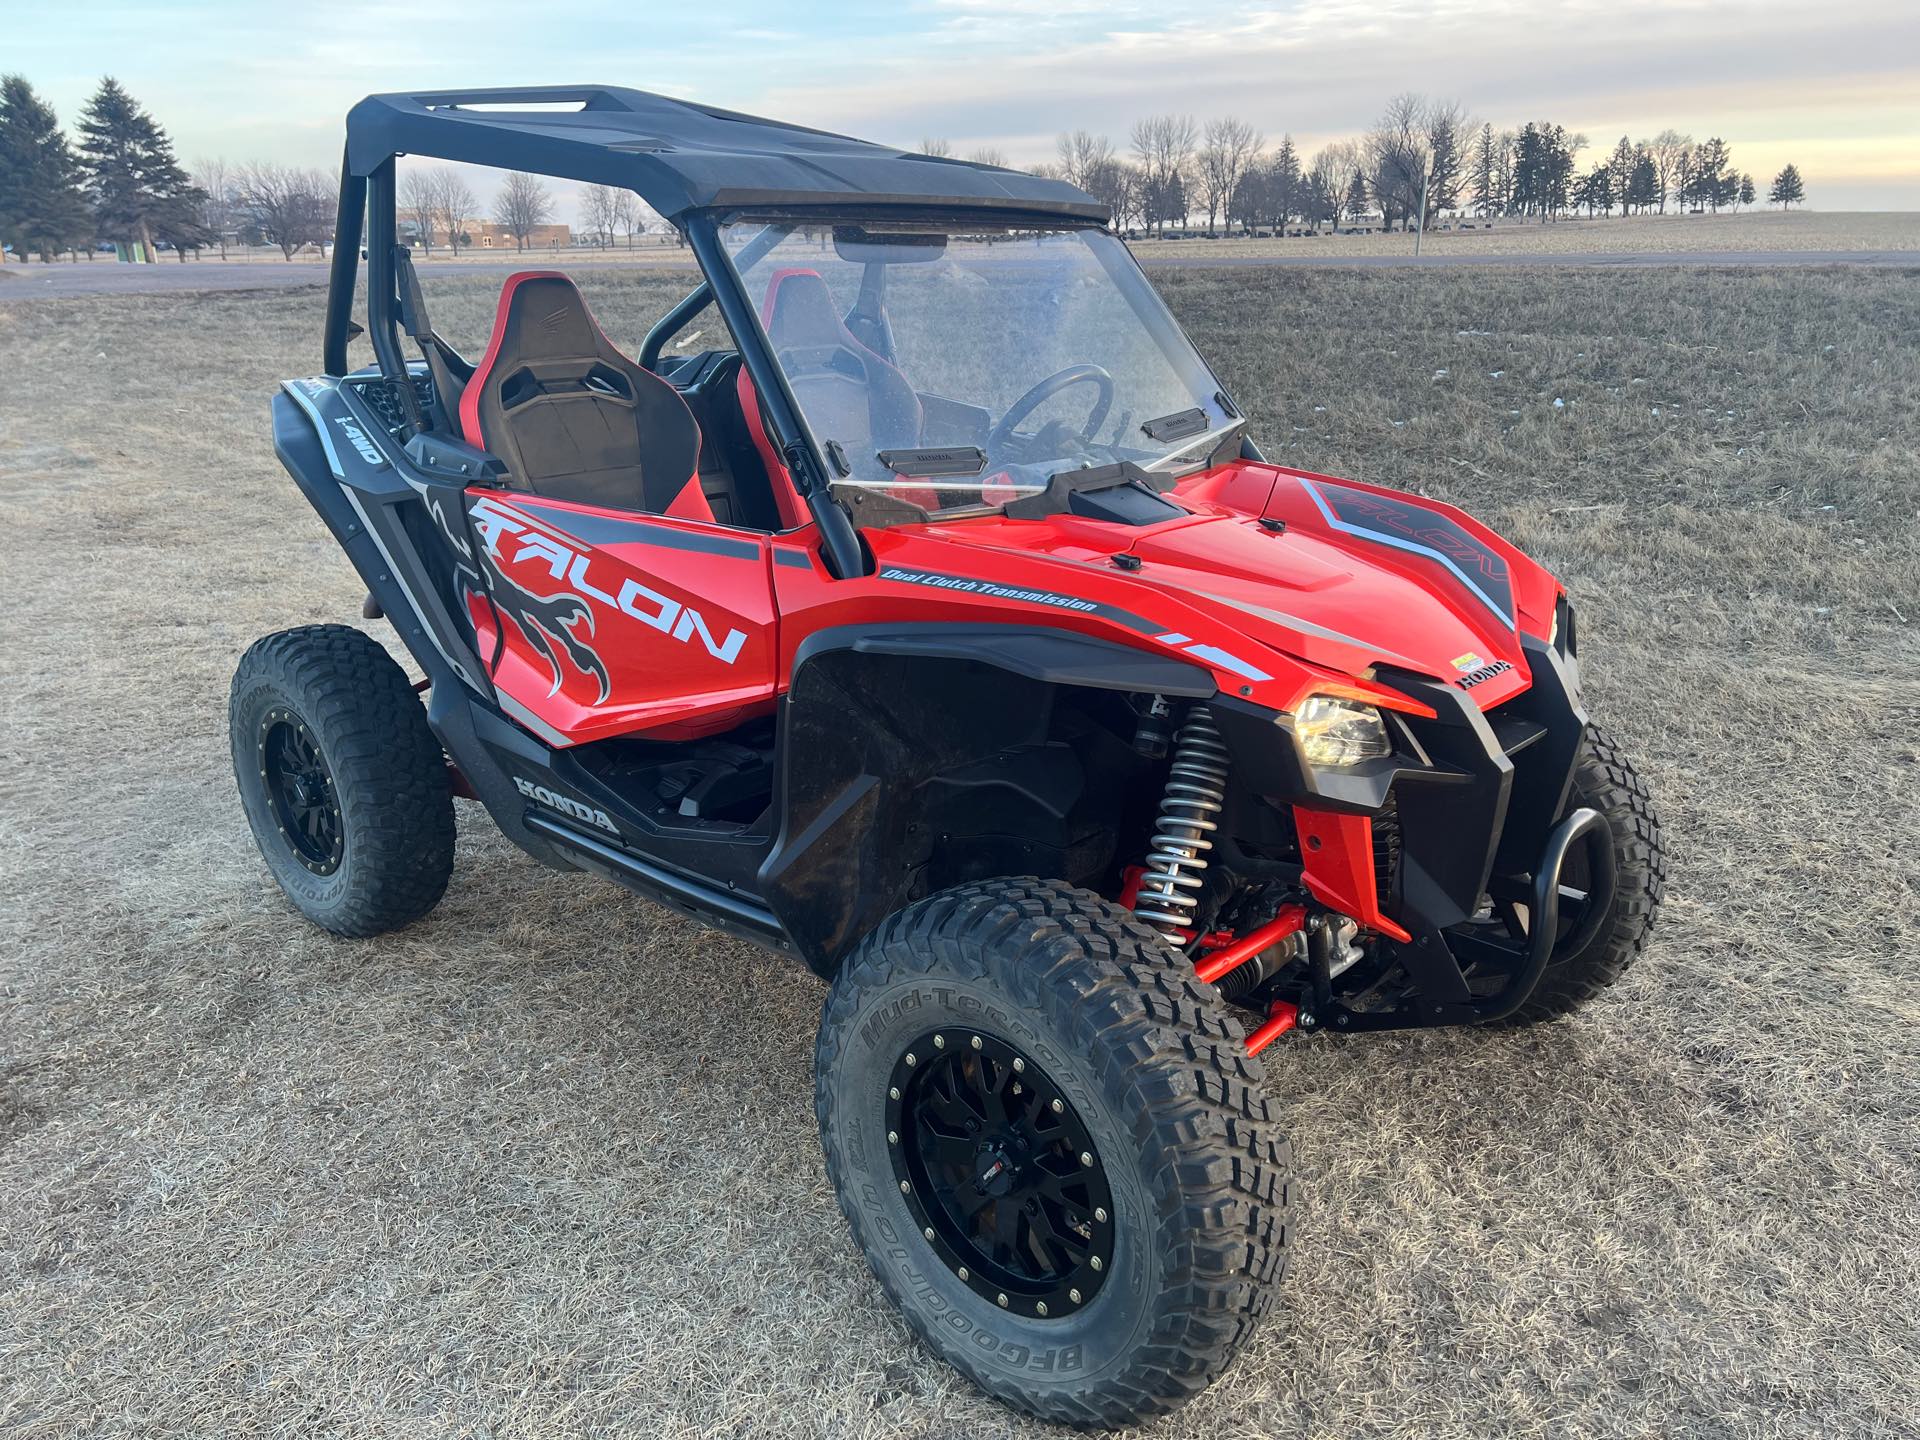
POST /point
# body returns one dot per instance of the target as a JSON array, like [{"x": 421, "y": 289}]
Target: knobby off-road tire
[
  {"x": 1154, "y": 1066},
  {"x": 1605, "y": 780},
  {"x": 328, "y": 698}
]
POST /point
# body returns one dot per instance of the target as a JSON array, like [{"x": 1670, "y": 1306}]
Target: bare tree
[
  {"x": 217, "y": 212},
  {"x": 1345, "y": 166},
  {"x": 1416, "y": 148},
  {"x": 1397, "y": 157},
  {"x": 291, "y": 208},
  {"x": 1115, "y": 184},
  {"x": 932, "y": 146},
  {"x": 419, "y": 204},
  {"x": 1670, "y": 150},
  {"x": 988, "y": 155},
  {"x": 455, "y": 204},
  {"x": 1081, "y": 154},
  {"x": 598, "y": 204},
  {"x": 1163, "y": 145},
  {"x": 626, "y": 217},
  {"x": 1227, "y": 151},
  {"x": 522, "y": 206}
]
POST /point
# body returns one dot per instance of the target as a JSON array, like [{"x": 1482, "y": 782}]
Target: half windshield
[{"x": 955, "y": 369}]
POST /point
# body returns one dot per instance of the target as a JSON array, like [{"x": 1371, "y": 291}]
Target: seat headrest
[
  {"x": 546, "y": 315},
  {"x": 800, "y": 312}
]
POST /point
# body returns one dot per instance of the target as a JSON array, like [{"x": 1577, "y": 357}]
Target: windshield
[{"x": 957, "y": 369}]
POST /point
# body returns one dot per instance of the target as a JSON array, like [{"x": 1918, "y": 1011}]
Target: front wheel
[
  {"x": 1053, "y": 1149},
  {"x": 1604, "y": 780}
]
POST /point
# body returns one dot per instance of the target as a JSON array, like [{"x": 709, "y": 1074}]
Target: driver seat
[
  {"x": 849, "y": 393},
  {"x": 572, "y": 417}
]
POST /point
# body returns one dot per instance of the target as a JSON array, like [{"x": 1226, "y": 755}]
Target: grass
[
  {"x": 1761, "y": 230},
  {"x": 544, "y": 1164}
]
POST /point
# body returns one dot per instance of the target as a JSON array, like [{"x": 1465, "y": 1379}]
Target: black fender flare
[{"x": 872, "y": 713}]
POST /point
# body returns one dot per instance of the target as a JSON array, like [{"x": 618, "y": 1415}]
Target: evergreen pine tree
[
  {"x": 1620, "y": 173},
  {"x": 138, "y": 189},
  {"x": 1356, "y": 198},
  {"x": 1643, "y": 186},
  {"x": 41, "y": 207},
  {"x": 1560, "y": 151},
  {"x": 1710, "y": 174},
  {"x": 1530, "y": 171},
  {"x": 1486, "y": 170},
  {"x": 1787, "y": 188},
  {"x": 1287, "y": 193}
]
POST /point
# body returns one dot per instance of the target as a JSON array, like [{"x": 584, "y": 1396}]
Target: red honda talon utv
[{"x": 947, "y": 631}]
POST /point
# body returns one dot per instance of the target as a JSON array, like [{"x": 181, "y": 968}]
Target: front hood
[
  {"x": 1328, "y": 601},
  {"x": 1341, "y": 576}
]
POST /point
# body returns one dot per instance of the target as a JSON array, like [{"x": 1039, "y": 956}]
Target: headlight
[{"x": 1340, "y": 732}]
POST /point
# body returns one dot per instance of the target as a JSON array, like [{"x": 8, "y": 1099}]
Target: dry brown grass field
[
  {"x": 544, "y": 1164},
  {"x": 1766, "y": 231},
  {"x": 1753, "y": 231}
]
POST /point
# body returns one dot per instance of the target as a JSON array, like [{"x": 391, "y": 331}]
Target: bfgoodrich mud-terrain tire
[
  {"x": 1053, "y": 1148},
  {"x": 343, "y": 783},
  {"x": 1605, "y": 780}
]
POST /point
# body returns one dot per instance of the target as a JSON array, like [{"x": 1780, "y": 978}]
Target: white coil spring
[{"x": 1176, "y": 866}]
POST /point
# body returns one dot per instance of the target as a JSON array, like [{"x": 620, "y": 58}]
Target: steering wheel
[{"x": 1045, "y": 391}]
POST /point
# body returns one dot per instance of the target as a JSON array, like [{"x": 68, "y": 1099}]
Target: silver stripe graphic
[
  {"x": 1396, "y": 543},
  {"x": 301, "y": 398},
  {"x": 531, "y": 721},
  {"x": 400, "y": 579},
  {"x": 1307, "y": 627}
]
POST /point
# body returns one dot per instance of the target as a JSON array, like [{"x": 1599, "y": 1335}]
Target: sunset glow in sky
[{"x": 1833, "y": 87}]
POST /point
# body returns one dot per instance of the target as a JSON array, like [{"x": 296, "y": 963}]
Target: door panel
[{"x": 616, "y": 622}]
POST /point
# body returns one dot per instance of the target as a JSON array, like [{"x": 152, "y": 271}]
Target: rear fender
[
  {"x": 364, "y": 500},
  {"x": 397, "y": 530}
]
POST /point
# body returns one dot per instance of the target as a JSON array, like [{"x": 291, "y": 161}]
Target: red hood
[
  {"x": 1324, "y": 599},
  {"x": 1340, "y": 575}
]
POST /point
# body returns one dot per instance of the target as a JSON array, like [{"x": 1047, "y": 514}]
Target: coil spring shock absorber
[{"x": 1176, "y": 864}]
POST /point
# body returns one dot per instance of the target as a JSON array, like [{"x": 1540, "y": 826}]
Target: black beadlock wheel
[
  {"x": 1001, "y": 1172},
  {"x": 344, "y": 785},
  {"x": 1053, "y": 1149}
]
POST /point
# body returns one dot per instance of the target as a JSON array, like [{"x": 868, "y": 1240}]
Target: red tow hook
[
  {"x": 1283, "y": 1013},
  {"x": 1287, "y": 922}
]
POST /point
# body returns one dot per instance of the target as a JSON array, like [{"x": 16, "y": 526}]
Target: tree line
[
  {"x": 118, "y": 180},
  {"x": 1420, "y": 153}
]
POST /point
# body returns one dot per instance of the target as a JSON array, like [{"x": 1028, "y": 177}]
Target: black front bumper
[{"x": 1468, "y": 797}]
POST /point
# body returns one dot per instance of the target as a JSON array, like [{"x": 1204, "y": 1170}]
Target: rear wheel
[
  {"x": 343, "y": 783},
  {"x": 1053, "y": 1148}
]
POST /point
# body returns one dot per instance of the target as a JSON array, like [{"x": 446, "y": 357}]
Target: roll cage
[{"x": 692, "y": 164}]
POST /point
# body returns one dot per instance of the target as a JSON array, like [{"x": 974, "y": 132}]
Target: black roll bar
[
  {"x": 672, "y": 323},
  {"x": 346, "y": 268}
]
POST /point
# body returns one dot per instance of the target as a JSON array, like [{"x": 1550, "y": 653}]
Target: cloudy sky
[{"x": 1833, "y": 86}]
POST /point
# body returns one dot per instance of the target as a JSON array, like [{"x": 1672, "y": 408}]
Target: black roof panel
[{"x": 679, "y": 156}]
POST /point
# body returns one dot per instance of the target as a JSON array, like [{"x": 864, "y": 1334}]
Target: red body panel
[
  {"x": 1337, "y": 852},
  {"x": 669, "y": 639},
  {"x": 1274, "y": 612}
]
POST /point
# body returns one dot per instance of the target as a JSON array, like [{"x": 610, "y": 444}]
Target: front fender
[{"x": 874, "y": 715}]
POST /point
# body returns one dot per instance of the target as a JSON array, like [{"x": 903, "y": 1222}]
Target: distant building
[{"x": 485, "y": 235}]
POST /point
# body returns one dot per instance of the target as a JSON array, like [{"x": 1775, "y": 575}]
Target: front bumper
[{"x": 1408, "y": 846}]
